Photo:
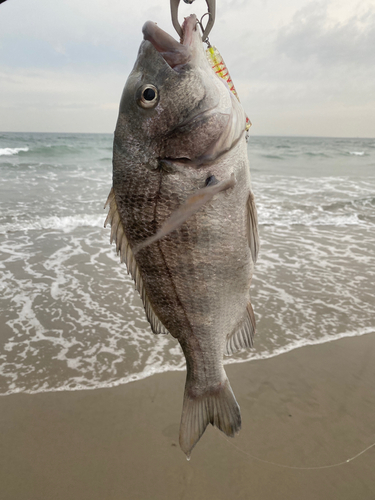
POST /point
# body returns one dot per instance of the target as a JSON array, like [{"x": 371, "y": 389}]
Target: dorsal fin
[
  {"x": 242, "y": 337},
  {"x": 126, "y": 255},
  {"x": 252, "y": 227}
]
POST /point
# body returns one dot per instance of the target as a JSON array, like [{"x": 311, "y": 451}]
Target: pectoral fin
[{"x": 186, "y": 210}]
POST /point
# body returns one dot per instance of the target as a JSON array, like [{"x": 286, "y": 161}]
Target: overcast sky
[{"x": 300, "y": 67}]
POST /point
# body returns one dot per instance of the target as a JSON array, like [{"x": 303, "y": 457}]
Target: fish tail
[{"x": 217, "y": 406}]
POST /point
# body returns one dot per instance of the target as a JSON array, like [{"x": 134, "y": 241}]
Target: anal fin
[{"x": 242, "y": 337}]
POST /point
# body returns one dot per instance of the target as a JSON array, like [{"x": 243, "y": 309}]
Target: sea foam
[
  {"x": 11, "y": 151},
  {"x": 55, "y": 223},
  {"x": 70, "y": 318}
]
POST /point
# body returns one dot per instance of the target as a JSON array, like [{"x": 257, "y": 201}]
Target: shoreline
[
  {"x": 311, "y": 407},
  {"x": 141, "y": 376}
]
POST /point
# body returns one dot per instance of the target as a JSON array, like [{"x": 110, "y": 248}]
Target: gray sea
[{"x": 69, "y": 316}]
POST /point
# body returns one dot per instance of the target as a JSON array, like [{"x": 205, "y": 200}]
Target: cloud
[
  {"x": 296, "y": 64},
  {"x": 331, "y": 58},
  {"x": 312, "y": 75},
  {"x": 314, "y": 34},
  {"x": 88, "y": 33},
  {"x": 59, "y": 100}
]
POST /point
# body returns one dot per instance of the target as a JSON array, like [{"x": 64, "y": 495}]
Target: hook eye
[
  {"x": 211, "y": 7},
  {"x": 206, "y": 30}
]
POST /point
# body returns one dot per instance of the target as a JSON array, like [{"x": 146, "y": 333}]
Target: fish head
[{"x": 174, "y": 108}]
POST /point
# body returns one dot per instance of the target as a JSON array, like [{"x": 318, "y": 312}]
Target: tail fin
[{"x": 216, "y": 406}]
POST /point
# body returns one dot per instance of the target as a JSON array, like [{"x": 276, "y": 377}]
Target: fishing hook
[
  {"x": 204, "y": 35},
  {"x": 211, "y": 6}
]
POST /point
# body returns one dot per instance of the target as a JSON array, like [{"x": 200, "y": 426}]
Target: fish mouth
[{"x": 175, "y": 53}]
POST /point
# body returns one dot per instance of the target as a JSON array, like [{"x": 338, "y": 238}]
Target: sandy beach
[{"x": 311, "y": 407}]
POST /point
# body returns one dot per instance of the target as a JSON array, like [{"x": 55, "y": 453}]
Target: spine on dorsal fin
[
  {"x": 252, "y": 227},
  {"x": 126, "y": 255},
  {"x": 243, "y": 337}
]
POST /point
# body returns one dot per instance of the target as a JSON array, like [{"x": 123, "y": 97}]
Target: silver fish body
[{"x": 180, "y": 142}]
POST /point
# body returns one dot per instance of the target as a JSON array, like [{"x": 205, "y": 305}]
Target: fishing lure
[
  {"x": 218, "y": 65},
  {"x": 213, "y": 55}
]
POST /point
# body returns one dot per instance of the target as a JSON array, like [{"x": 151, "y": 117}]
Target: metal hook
[
  {"x": 211, "y": 6},
  {"x": 205, "y": 39}
]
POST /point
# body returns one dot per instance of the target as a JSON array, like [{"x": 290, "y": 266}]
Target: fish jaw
[{"x": 178, "y": 54}]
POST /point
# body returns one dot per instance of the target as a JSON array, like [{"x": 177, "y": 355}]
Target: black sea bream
[{"x": 183, "y": 216}]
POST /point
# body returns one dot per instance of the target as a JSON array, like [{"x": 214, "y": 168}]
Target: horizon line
[{"x": 251, "y": 135}]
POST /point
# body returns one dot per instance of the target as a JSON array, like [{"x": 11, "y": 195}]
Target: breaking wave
[
  {"x": 66, "y": 224},
  {"x": 70, "y": 317},
  {"x": 12, "y": 151}
]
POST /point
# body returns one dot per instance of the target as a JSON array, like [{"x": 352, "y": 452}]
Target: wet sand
[{"x": 311, "y": 407}]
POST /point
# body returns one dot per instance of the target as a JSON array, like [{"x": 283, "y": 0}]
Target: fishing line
[{"x": 295, "y": 467}]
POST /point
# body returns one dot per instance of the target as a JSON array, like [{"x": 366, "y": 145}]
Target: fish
[{"x": 183, "y": 216}]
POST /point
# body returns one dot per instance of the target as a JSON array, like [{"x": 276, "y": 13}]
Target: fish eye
[{"x": 147, "y": 96}]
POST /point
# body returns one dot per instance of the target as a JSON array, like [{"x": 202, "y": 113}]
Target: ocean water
[{"x": 69, "y": 316}]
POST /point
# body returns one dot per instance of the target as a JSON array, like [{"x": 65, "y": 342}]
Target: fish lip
[
  {"x": 189, "y": 25},
  {"x": 175, "y": 54}
]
